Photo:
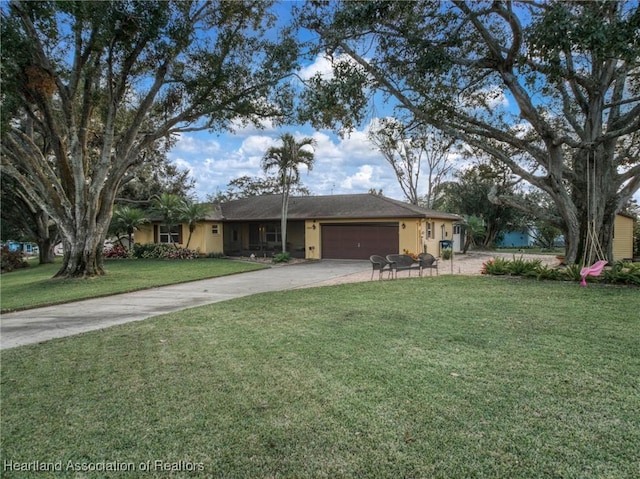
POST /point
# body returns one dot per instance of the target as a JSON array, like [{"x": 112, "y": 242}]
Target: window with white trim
[{"x": 163, "y": 234}]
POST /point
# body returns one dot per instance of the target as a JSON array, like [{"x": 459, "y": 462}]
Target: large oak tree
[
  {"x": 88, "y": 87},
  {"x": 549, "y": 89}
]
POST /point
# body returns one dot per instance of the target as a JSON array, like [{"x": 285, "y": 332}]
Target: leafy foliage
[
  {"x": 282, "y": 257},
  {"x": 126, "y": 220},
  {"x": 495, "y": 266},
  {"x": 623, "y": 273},
  {"x": 162, "y": 251},
  {"x": 12, "y": 260},
  {"x": 620, "y": 273},
  {"x": 469, "y": 195},
  {"x": 151, "y": 250},
  {"x": 118, "y": 252},
  {"x": 246, "y": 186}
]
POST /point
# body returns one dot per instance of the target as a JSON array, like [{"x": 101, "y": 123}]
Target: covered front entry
[{"x": 359, "y": 241}]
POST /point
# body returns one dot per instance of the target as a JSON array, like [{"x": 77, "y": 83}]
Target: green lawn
[
  {"x": 448, "y": 377},
  {"x": 34, "y": 286}
]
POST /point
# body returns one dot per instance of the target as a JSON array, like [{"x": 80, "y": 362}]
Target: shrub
[
  {"x": 215, "y": 255},
  {"x": 523, "y": 267},
  {"x": 446, "y": 253},
  {"x": 623, "y": 272},
  {"x": 12, "y": 260},
  {"x": 181, "y": 253},
  {"x": 163, "y": 251},
  {"x": 496, "y": 266},
  {"x": 117, "y": 252},
  {"x": 572, "y": 272},
  {"x": 151, "y": 250},
  {"x": 545, "y": 272},
  {"x": 281, "y": 258}
]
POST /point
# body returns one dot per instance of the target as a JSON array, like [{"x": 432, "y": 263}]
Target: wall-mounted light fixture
[
  {"x": 313, "y": 226},
  {"x": 403, "y": 226}
]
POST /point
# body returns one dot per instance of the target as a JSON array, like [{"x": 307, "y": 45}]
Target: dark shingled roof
[{"x": 261, "y": 208}]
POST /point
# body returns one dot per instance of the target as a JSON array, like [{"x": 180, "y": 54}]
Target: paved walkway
[{"x": 41, "y": 324}]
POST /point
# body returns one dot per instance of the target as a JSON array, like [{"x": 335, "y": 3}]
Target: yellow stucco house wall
[
  {"x": 623, "y": 237},
  {"x": 251, "y": 225},
  {"x": 206, "y": 238}
]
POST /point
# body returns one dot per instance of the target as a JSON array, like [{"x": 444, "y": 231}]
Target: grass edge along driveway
[
  {"x": 34, "y": 287},
  {"x": 439, "y": 377}
]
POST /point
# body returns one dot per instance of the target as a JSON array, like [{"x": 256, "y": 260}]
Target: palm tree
[
  {"x": 286, "y": 159},
  {"x": 126, "y": 219},
  {"x": 169, "y": 207},
  {"x": 191, "y": 214}
]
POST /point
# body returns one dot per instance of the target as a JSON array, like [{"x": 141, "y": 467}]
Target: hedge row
[{"x": 622, "y": 272}]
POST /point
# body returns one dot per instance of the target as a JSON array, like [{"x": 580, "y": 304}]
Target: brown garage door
[{"x": 359, "y": 241}]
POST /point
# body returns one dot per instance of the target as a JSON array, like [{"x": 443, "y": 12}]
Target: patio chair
[
  {"x": 403, "y": 262},
  {"x": 379, "y": 264},
  {"x": 428, "y": 261}
]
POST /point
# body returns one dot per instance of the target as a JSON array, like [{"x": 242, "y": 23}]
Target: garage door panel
[{"x": 359, "y": 241}]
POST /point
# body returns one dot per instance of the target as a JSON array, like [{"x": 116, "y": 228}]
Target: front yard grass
[
  {"x": 440, "y": 377},
  {"x": 34, "y": 286}
]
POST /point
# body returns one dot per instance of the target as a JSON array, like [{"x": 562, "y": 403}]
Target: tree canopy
[
  {"x": 549, "y": 89},
  {"x": 89, "y": 87}
]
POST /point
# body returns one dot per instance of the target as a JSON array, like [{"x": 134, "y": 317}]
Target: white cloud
[
  {"x": 342, "y": 165},
  {"x": 191, "y": 144},
  {"x": 256, "y": 145},
  {"x": 321, "y": 65}
]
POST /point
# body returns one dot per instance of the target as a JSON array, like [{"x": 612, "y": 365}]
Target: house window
[
  {"x": 273, "y": 234},
  {"x": 163, "y": 234},
  {"x": 215, "y": 230},
  {"x": 431, "y": 229},
  {"x": 456, "y": 229}
]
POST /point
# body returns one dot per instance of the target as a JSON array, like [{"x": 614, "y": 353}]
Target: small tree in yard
[
  {"x": 476, "y": 232},
  {"x": 126, "y": 220},
  {"x": 286, "y": 160}
]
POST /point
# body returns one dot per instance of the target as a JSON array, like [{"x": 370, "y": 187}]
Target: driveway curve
[{"x": 41, "y": 324}]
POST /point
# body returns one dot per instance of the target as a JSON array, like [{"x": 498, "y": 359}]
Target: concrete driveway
[{"x": 41, "y": 324}]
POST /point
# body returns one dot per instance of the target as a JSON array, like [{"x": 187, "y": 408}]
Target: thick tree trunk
[
  {"x": 594, "y": 198},
  {"x": 45, "y": 244},
  {"x": 45, "y": 251},
  {"x": 81, "y": 262},
  {"x": 83, "y": 242}
]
